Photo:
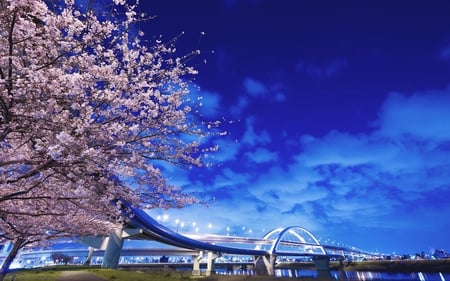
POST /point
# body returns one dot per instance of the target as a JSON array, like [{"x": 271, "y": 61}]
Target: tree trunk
[{"x": 9, "y": 259}]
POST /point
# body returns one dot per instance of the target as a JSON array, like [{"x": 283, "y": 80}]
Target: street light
[
  {"x": 177, "y": 221},
  {"x": 181, "y": 226}
]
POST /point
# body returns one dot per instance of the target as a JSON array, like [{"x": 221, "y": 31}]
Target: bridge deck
[{"x": 151, "y": 229}]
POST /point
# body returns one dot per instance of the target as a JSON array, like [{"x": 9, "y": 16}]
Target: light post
[{"x": 181, "y": 226}]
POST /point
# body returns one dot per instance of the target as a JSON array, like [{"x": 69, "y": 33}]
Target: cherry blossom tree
[{"x": 87, "y": 110}]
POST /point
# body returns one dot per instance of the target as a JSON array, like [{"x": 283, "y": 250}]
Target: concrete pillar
[
  {"x": 265, "y": 265},
  {"x": 89, "y": 256},
  {"x": 342, "y": 274},
  {"x": 323, "y": 267},
  {"x": 196, "y": 264},
  {"x": 113, "y": 249},
  {"x": 210, "y": 270}
]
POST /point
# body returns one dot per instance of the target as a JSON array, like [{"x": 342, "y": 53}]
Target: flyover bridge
[{"x": 293, "y": 241}]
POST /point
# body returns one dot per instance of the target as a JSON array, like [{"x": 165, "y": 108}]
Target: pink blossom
[{"x": 84, "y": 109}]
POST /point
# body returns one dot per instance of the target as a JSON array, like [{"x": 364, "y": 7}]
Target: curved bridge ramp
[
  {"x": 265, "y": 258},
  {"x": 140, "y": 219}
]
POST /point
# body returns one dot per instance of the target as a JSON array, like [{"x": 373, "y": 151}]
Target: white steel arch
[{"x": 296, "y": 240}]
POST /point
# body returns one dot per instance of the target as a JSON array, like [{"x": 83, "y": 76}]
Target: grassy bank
[
  {"x": 51, "y": 274},
  {"x": 135, "y": 275}
]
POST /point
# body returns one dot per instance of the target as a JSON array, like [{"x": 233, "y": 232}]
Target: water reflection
[
  {"x": 384, "y": 276},
  {"x": 351, "y": 275},
  {"x": 368, "y": 276}
]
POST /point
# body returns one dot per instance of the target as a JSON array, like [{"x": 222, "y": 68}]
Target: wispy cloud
[
  {"x": 373, "y": 182},
  {"x": 240, "y": 106},
  {"x": 280, "y": 97},
  {"x": 254, "y": 87},
  {"x": 210, "y": 104},
  {"x": 228, "y": 150},
  {"x": 445, "y": 53},
  {"x": 420, "y": 116},
  {"x": 262, "y": 155},
  {"x": 251, "y": 137},
  {"x": 382, "y": 175},
  {"x": 270, "y": 92}
]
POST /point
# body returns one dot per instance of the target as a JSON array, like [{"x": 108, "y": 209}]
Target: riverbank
[
  {"x": 152, "y": 274},
  {"x": 85, "y": 274}
]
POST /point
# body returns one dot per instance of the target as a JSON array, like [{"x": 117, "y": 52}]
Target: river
[
  {"x": 352, "y": 275},
  {"x": 368, "y": 275}
]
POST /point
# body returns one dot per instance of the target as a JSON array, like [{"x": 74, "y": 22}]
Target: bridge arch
[{"x": 295, "y": 240}]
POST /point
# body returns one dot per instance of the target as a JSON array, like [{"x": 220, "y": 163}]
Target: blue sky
[{"x": 338, "y": 118}]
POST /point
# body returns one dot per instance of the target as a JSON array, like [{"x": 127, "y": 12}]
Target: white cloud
[
  {"x": 372, "y": 182},
  {"x": 422, "y": 115},
  {"x": 251, "y": 137},
  {"x": 262, "y": 155},
  {"x": 257, "y": 89},
  {"x": 228, "y": 151},
  {"x": 228, "y": 178},
  {"x": 210, "y": 102},
  {"x": 254, "y": 87},
  {"x": 242, "y": 103},
  {"x": 280, "y": 97},
  {"x": 374, "y": 175}
]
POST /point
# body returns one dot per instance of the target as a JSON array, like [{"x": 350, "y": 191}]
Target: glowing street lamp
[
  {"x": 177, "y": 221},
  {"x": 181, "y": 226}
]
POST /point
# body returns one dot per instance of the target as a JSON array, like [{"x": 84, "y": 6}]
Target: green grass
[
  {"x": 33, "y": 275},
  {"x": 51, "y": 274},
  {"x": 107, "y": 274},
  {"x": 135, "y": 275}
]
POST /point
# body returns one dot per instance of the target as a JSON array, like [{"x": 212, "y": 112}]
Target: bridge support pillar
[
  {"x": 342, "y": 274},
  {"x": 323, "y": 267},
  {"x": 196, "y": 263},
  {"x": 210, "y": 268},
  {"x": 89, "y": 256},
  {"x": 113, "y": 249},
  {"x": 265, "y": 265}
]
